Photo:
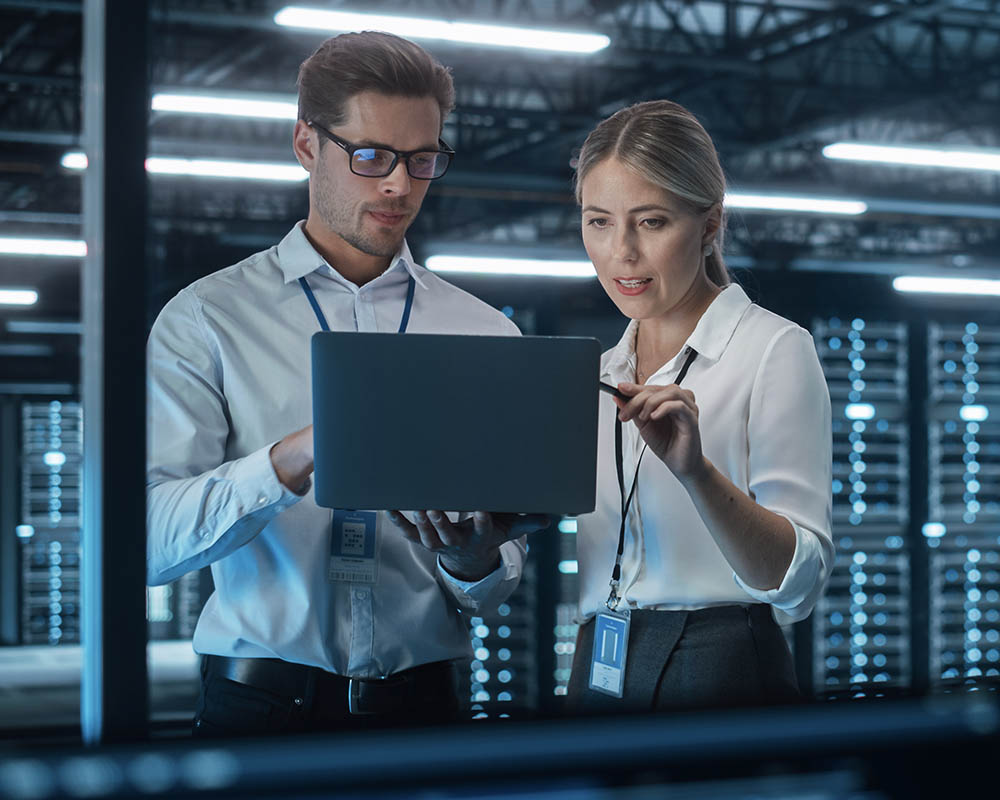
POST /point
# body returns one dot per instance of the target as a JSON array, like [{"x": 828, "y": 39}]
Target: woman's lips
[{"x": 632, "y": 286}]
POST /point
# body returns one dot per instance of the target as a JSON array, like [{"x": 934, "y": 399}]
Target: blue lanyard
[{"x": 322, "y": 319}]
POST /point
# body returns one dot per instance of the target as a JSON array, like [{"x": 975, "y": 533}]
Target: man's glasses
[{"x": 377, "y": 162}]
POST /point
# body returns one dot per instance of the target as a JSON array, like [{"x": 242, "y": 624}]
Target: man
[{"x": 290, "y": 641}]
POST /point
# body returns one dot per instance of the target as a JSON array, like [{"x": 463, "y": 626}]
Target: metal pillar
[{"x": 114, "y": 691}]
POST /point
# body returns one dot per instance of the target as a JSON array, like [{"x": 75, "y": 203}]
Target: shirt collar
[
  {"x": 717, "y": 325},
  {"x": 298, "y": 258},
  {"x": 709, "y": 339}
]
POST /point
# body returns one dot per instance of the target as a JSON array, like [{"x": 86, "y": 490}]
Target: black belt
[{"x": 393, "y": 693}]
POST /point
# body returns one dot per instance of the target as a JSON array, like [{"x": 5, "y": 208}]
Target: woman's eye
[
  {"x": 654, "y": 222},
  {"x": 597, "y": 222}
]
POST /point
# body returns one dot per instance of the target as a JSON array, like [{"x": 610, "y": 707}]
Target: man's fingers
[
  {"x": 515, "y": 525},
  {"x": 407, "y": 528},
  {"x": 482, "y": 524},
  {"x": 449, "y": 535},
  {"x": 530, "y": 523},
  {"x": 428, "y": 533}
]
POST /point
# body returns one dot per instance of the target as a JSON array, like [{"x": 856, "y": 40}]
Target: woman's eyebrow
[
  {"x": 595, "y": 208},
  {"x": 649, "y": 207}
]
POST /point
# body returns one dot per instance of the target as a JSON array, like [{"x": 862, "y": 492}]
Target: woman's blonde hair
[{"x": 664, "y": 143}]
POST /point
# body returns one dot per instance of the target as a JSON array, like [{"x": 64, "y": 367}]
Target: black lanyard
[
  {"x": 616, "y": 574},
  {"x": 322, "y": 318}
]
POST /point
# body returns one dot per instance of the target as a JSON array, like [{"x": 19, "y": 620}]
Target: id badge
[
  {"x": 353, "y": 547},
  {"x": 607, "y": 664}
]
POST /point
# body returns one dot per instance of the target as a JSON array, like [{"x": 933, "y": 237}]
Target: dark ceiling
[{"x": 772, "y": 80}]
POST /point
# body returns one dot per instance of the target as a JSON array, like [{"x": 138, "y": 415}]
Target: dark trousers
[
  {"x": 275, "y": 697},
  {"x": 718, "y": 657}
]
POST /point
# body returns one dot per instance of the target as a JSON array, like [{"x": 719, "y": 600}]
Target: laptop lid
[{"x": 457, "y": 423}]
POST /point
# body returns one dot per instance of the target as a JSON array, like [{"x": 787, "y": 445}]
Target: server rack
[
  {"x": 861, "y": 625},
  {"x": 963, "y": 529}
]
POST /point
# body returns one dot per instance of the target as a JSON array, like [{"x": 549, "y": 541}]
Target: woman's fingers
[
  {"x": 642, "y": 404},
  {"x": 677, "y": 408}
]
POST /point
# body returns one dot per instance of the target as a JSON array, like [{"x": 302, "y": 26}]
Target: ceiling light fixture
[
  {"x": 18, "y": 246},
  {"x": 808, "y": 205},
  {"x": 225, "y": 105},
  {"x": 986, "y": 160},
  {"x": 18, "y": 297},
  {"x": 44, "y": 326},
  {"x": 208, "y": 168},
  {"x": 478, "y": 265},
  {"x": 443, "y": 30},
  {"x": 964, "y": 286}
]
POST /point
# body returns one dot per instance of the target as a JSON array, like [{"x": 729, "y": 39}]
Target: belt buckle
[{"x": 354, "y": 688}]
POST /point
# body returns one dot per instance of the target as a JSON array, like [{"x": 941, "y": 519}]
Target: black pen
[{"x": 607, "y": 387}]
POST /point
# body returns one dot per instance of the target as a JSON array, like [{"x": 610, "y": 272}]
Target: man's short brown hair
[{"x": 351, "y": 63}]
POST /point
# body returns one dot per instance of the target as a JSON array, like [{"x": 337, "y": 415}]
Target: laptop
[{"x": 456, "y": 423}]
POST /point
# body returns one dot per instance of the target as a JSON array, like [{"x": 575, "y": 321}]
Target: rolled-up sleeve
[
  {"x": 199, "y": 508},
  {"x": 790, "y": 466}
]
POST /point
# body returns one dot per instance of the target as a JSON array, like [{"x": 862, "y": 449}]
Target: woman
[{"x": 721, "y": 435}]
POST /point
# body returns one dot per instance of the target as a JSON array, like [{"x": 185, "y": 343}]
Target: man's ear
[{"x": 305, "y": 145}]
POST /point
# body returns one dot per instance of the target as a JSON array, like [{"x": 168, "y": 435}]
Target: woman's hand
[{"x": 667, "y": 419}]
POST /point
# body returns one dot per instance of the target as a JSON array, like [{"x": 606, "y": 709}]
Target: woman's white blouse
[{"x": 764, "y": 417}]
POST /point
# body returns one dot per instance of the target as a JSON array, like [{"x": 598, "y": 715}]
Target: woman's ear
[{"x": 713, "y": 222}]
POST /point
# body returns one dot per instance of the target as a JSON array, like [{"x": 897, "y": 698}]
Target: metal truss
[{"x": 773, "y": 80}]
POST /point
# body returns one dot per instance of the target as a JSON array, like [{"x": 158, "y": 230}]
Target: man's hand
[
  {"x": 469, "y": 550},
  {"x": 292, "y": 459}
]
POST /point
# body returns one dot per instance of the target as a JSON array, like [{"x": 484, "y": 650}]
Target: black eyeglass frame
[{"x": 350, "y": 148}]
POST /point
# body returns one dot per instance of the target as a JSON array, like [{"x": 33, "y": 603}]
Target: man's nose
[{"x": 396, "y": 182}]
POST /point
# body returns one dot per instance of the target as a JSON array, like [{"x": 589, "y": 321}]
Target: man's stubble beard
[{"x": 339, "y": 220}]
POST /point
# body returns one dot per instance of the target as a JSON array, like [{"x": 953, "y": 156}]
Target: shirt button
[
  {"x": 298, "y": 701},
  {"x": 262, "y": 500}
]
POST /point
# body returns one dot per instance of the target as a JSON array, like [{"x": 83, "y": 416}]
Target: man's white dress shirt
[
  {"x": 764, "y": 418},
  {"x": 229, "y": 376}
]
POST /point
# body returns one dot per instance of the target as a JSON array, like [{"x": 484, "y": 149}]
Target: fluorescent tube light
[
  {"x": 208, "y": 168},
  {"x": 975, "y": 286},
  {"x": 43, "y": 326},
  {"x": 510, "y": 266},
  {"x": 18, "y": 297},
  {"x": 26, "y": 350},
  {"x": 568, "y": 567},
  {"x": 986, "y": 160},
  {"x": 42, "y": 247},
  {"x": 810, "y": 205},
  {"x": 227, "y": 106},
  {"x": 442, "y": 30}
]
